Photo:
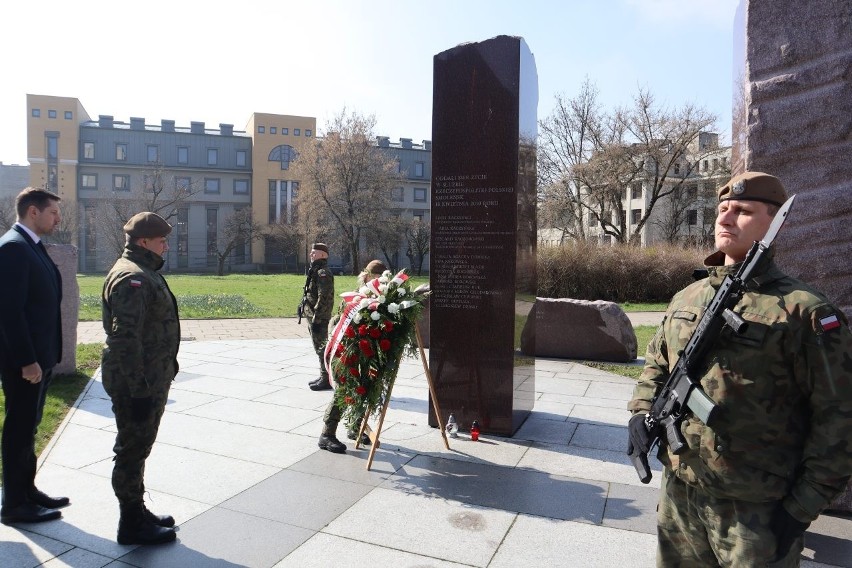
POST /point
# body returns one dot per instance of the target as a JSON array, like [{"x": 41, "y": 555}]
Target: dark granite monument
[{"x": 483, "y": 231}]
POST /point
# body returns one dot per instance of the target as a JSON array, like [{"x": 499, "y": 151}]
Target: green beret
[
  {"x": 147, "y": 225},
  {"x": 320, "y": 246},
  {"x": 754, "y": 186}
]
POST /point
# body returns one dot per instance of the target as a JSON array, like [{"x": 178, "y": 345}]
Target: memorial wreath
[{"x": 376, "y": 329}]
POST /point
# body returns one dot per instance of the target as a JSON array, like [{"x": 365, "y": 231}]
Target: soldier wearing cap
[
  {"x": 318, "y": 305},
  {"x": 140, "y": 317},
  {"x": 744, "y": 492}
]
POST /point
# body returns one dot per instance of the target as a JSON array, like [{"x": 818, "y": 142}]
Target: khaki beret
[
  {"x": 375, "y": 267},
  {"x": 320, "y": 246},
  {"x": 147, "y": 225},
  {"x": 754, "y": 186}
]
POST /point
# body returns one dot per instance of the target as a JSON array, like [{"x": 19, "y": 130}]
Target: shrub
[{"x": 588, "y": 271}]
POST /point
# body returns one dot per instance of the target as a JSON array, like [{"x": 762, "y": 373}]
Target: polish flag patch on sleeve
[
  {"x": 135, "y": 283},
  {"x": 829, "y": 322}
]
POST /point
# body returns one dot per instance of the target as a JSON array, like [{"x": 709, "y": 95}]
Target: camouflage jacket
[
  {"x": 140, "y": 317},
  {"x": 784, "y": 388},
  {"x": 319, "y": 292}
]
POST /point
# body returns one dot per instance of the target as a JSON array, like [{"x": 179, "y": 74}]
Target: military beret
[
  {"x": 320, "y": 246},
  {"x": 147, "y": 225},
  {"x": 754, "y": 186},
  {"x": 375, "y": 267}
]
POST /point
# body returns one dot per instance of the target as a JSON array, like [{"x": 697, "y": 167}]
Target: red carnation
[
  {"x": 339, "y": 349},
  {"x": 341, "y": 379},
  {"x": 349, "y": 332},
  {"x": 361, "y": 390},
  {"x": 349, "y": 400},
  {"x": 375, "y": 332},
  {"x": 354, "y": 371},
  {"x": 388, "y": 325},
  {"x": 366, "y": 348},
  {"x": 362, "y": 329},
  {"x": 385, "y": 344}
]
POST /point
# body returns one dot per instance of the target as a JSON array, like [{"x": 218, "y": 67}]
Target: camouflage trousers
[
  {"x": 133, "y": 443},
  {"x": 319, "y": 336},
  {"x": 696, "y": 530}
]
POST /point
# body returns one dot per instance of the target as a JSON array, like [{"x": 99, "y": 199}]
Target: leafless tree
[
  {"x": 8, "y": 214},
  {"x": 418, "y": 235},
  {"x": 346, "y": 180},
  {"x": 286, "y": 239},
  {"x": 239, "y": 230},
  {"x": 388, "y": 237}
]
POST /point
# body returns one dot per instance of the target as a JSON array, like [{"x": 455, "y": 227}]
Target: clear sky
[{"x": 218, "y": 62}]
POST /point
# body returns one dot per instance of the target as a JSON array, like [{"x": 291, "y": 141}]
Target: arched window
[{"x": 283, "y": 154}]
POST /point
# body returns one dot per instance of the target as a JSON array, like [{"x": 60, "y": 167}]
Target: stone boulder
[
  {"x": 579, "y": 329},
  {"x": 65, "y": 258}
]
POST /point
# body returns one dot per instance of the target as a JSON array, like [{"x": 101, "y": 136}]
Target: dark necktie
[{"x": 40, "y": 245}]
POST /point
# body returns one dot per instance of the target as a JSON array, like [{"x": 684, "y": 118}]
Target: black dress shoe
[
  {"x": 332, "y": 444},
  {"x": 320, "y": 385},
  {"x": 41, "y": 498},
  {"x": 27, "y": 513}
]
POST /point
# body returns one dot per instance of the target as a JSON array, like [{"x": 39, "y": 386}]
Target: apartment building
[{"x": 197, "y": 177}]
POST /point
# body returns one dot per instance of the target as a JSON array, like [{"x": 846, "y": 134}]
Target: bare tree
[
  {"x": 239, "y": 230},
  {"x": 8, "y": 214},
  {"x": 66, "y": 232},
  {"x": 418, "y": 235},
  {"x": 388, "y": 237},
  {"x": 590, "y": 160},
  {"x": 286, "y": 240},
  {"x": 346, "y": 180}
]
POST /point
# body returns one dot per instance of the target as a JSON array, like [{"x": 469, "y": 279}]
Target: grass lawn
[
  {"x": 63, "y": 392},
  {"x": 644, "y": 334},
  {"x": 203, "y": 296}
]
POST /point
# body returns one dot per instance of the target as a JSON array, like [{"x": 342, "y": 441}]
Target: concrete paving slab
[
  {"x": 583, "y": 463},
  {"x": 21, "y": 548},
  {"x": 78, "y": 558},
  {"x": 253, "y": 413},
  {"x": 632, "y": 508},
  {"x": 546, "y": 431},
  {"x": 599, "y": 437},
  {"x": 221, "y": 387},
  {"x": 79, "y": 446}
]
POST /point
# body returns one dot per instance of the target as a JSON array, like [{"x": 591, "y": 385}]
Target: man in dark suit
[{"x": 30, "y": 346}]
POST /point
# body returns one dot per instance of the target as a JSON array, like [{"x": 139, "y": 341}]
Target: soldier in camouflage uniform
[
  {"x": 745, "y": 491},
  {"x": 140, "y": 317},
  {"x": 319, "y": 302}
]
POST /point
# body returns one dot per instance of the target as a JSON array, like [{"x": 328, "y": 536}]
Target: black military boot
[
  {"x": 159, "y": 520},
  {"x": 332, "y": 444},
  {"x": 320, "y": 384},
  {"x": 135, "y": 528}
]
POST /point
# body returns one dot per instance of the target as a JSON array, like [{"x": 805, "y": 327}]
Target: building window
[
  {"x": 273, "y": 130},
  {"x": 308, "y": 132},
  {"x": 285, "y": 131},
  {"x": 90, "y": 243},
  {"x": 636, "y": 190},
  {"x": 397, "y": 194},
  {"x": 241, "y": 186},
  {"x": 211, "y": 185},
  {"x": 420, "y": 194},
  {"x": 69, "y": 115},
  {"x": 153, "y": 153},
  {"x": 297, "y": 132},
  {"x": 715, "y": 164},
  {"x": 691, "y": 217},
  {"x": 182, "y": 231},
  {"x": 183, "y": 154},
  {"x": 704, "y": 165},
  {"x": 36, "y": 112},
  {"x": 182, "y": 184},
  {"x": 418, "y": 169},
  {"x": 635, "y": 216},
  {"x": 121, "y": 152},
  {"x": 677, "y": 168},
  {"x": 419, "y": 215},
  {"x": 241, "y": 158},
  {"x": 283, "y": 154},
  {"x": 121, "y": 182},
  {"x": 52, "y": 178},
  {"x": 88, "y": 150},
  {"x": 724, "y": 161},
  {"x": 261, "y": 129},
  {"x": 692, "y": 191},
  {"x": 212, "y": 156},
  {"x": 212, "y": 230},
  {"x": 89, "y": 181},
  {"x": 239, "y": 253},
  {"x": 51, "y": 114}
]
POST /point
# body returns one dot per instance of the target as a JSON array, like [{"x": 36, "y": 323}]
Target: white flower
[
  {"x": 375, "y": 316},
  {"x": 357, "y": 318},
  {"x": 383, "y": 288},
  {"x": 364, "y": 291},
  {"x": 393, "y": 308},
  {"x": 381, "y": 299},
  {"x": 364, "y": 303},
  {"x": 398, "y": 281},
  {"x": 384, "y": 278}
]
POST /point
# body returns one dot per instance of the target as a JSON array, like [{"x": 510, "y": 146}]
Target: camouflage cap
[
  {"x": 754, "y": 186},
  {"x": 147, "y": 225},
  {"x": 320, "y": 246},
  {"x": 375, "y": 267}
]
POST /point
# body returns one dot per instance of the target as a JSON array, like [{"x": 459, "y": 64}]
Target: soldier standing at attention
[
  {"x": 140, "y": 317},
  {"x": 319, "y": 302},
  {"x": 744, "y": 492}
]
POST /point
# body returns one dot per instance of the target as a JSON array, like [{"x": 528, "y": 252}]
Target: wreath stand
[{"x": 374, "y": 434}]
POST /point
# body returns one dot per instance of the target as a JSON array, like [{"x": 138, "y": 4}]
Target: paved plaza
[{"x": 237, "y": 464}]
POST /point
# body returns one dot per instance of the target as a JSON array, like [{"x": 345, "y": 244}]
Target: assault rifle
[
  {"x": 681, "y": 394},
  {"x": 301, "y": 309}
]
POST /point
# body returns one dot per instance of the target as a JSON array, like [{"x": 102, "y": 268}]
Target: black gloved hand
[
  {"x": 638, "y": 438},
  {"x": 786, "y": 529},
  {"x": 140, "y": 408}
]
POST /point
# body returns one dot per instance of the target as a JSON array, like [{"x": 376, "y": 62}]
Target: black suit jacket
[{"x": 30, "y": 294}]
